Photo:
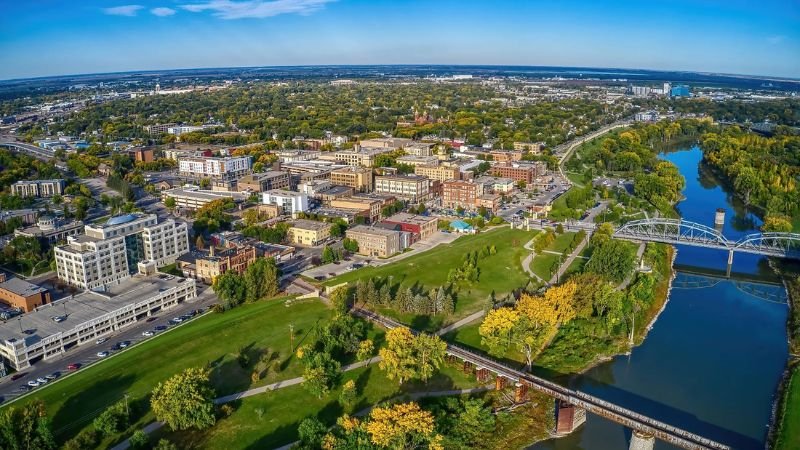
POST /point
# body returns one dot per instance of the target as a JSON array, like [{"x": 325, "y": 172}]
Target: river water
[{"x": 713, "y": 360}]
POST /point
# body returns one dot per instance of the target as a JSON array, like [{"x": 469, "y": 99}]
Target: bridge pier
[
  {"x": 468, "y": 367},
  {"x": 642, "y": 441},
  {"x": 568, "y": 417},
  {"x": 730, "y": 264},
  {"x": 500, "y": 382},
  {"x": 482, "y": 374},
  {"x": 520, "y": 392}
]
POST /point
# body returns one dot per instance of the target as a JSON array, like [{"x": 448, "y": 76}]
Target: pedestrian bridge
[
  {"x": 678, "y": 231},
  {"x": 645, "y": 429}
]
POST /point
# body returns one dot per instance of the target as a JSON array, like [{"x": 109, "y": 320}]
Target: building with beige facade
[
  {"x": 422, "y": 227},
  {"x": 364, "y": 156},
  {"x": 266, "y": 181},
  {"x": 387, "y": 143},
  {"x": 438, "y": 173},
  {"x": 413, "y": 188},
  {"x": 38, "y": 188},
  {"x": 370, "y": 207},
  {"x": 358, "y": 178},
  {"x": 414, "y": 161},
  {"x": 373, "y": 241},
  {"x": 309, "y": 232}
]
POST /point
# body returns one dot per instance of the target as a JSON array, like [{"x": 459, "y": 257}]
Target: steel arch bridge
[{"x": 677, "y": 231}]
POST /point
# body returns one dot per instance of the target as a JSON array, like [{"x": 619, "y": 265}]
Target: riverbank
[
  {"x": 784, "y": 427},
  {"x": 577, "y": 349}
]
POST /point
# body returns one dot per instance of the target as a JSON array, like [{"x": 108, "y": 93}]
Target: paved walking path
[
  {"x": 563, "y": 268},
  {"x": 526, "y": 263},
  {"x": 630, "y": 276},
  {"x": 153, "y": 426},
  {"x": 466, "y": 320}
]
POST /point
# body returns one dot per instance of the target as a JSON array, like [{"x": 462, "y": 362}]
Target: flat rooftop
[
  {"x": 410, "y": 218},
  {"x": 202, "y": 195},
  {"x": 21, "y": 287},
  {"x": 304, "y": 224},
  {"x": 372, "y": 230},
  {"x": 84, "y": 307}
]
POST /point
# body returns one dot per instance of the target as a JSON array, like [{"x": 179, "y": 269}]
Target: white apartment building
[
  {"x": 109, "y": 253},
  {"x": 180, "y": 129},
  {"x": 419, "y": 149},
  {"x": 38, "y": 188},
  {"x": 225, "y": 169},
  {"x": 291, "y": 202}
]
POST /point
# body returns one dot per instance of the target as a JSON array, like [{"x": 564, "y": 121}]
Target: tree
[
  {"x": 465, "y": 421},
  {"x": 170, "y": 203},
  {"x": 310, "y": 431},
  {"x": 602, "y": 234},
  {"x": 26, "y": 428},
  {"x": 340, "y": 300},
  {"x": 231, "y": 289},
  {"x": 406, "y": 356},
  {"x": 328, "y": 255},
  {"x": 613, "y": 259},
  {"x": 348, "y": 394},
  {"x": 113, "y": 420},
  {"x": 351, "y": 245},
  {"x": 139, "y": 440},
  {"x": 365, "y": 349},
  {"x": 320, "y": 374},
  {"x": 261, "y": 279},
  {"x": 496, "y": 329},
  {"x": 164, "y": 444},
  {"x": 185, "y": 400},
  {"x": 402, "y": 426},
  {"x": 777, "y": 224},
  {"x": 540, "y": 318}
]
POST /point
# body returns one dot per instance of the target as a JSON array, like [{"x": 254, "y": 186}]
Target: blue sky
[{"x": 53, "y": 37}]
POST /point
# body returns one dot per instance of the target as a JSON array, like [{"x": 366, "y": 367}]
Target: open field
[
  {"x": 215, "y": 339},
  {"x": 499, "y": 273}
]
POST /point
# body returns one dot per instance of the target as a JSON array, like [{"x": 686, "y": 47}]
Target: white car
[
  {"x": 33, "y": 383},
  {"x": 100, "y": 341},
  {"x": 102, "y": 354},
  {"x": 147, "y": 333},
  {"x": 42, "y": 380}
]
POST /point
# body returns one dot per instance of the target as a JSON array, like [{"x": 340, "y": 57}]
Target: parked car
[
  {"x": 102, "y": 354},
  {"x": 74, "y": 366},
  {"x": 151, "y": 318},
  {"x": 160, "y": 328},
  {"x": 42, "y": 380},
  {"x": 124, "y": 344},
  {"x": 100, "y": 341},
  {"x": 17, "y": 376},
  {"x": 53, "y": 375},
  {"x": 33, "y": 383},
  {"x": 148, "y": 333},
  {"x": 24, "y": 388}
]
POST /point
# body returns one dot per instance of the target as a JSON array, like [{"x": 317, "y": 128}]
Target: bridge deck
[{"x": 610, "y": 411}]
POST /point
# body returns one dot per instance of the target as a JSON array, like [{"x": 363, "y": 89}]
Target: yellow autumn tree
[
  {"x": 403, "y": 426},
  {"x": 397, "y": 357},
  {"x": 496, "y": 329}
]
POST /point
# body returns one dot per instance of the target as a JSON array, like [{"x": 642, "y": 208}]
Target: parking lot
[{"x": 84, "y": 355}]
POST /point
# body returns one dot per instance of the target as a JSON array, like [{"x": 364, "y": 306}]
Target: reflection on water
[{"x": 712, "y": 362}]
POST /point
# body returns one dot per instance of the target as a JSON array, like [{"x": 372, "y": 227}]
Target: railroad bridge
[{"x": 572, "y": 405}]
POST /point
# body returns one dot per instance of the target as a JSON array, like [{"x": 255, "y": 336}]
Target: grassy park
[
  {"x": 271, "y": 420},
  {"x": 499, "y": 273},
  {"x": 788, "y": 436},
  {"x": 544, "y": 263},
  {"x": 215, "y": 339}
]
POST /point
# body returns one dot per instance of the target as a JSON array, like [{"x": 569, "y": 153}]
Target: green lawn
[
  {"x": 213, "y": 339},
  {"x": 543, "y": 263},
  {"x": 271, "y": 419},
  {"x": 501, "y": 273},
  {"x": 789, "y": 428}
]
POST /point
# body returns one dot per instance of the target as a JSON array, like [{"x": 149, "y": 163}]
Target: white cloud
[
  {"x": 124, "y": 10},
  {"x": 776, "y": 39},
  {"x": 256, "y": 9},
  {"x": 162, "y": 12}
]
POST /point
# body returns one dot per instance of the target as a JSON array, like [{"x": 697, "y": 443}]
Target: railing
[{"x": 626, "y": 417}]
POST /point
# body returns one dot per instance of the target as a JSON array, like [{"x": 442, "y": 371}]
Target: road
[{"x": 87, "y": 353}]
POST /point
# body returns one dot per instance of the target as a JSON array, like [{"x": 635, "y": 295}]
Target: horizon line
[{"x": 175, "y": 69}]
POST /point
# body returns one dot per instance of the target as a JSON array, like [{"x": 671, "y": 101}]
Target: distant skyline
[{"x": 58, "y": 37}]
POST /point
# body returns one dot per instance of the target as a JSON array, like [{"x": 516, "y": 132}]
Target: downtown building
[
  {"x": 38, "y": 188},
  {"x": 222, "y": 172},
  {"x": 110, "y": 253},
  {"x": 413, "y": 188}
]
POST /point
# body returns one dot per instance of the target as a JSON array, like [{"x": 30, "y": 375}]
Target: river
[{"x": 713, "y": 360}]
